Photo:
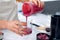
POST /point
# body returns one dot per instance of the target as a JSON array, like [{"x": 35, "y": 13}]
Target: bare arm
[{"x": 3, "y": 24}]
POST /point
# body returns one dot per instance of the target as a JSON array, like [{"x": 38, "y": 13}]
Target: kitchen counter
[{"x": 40, "y": 20}]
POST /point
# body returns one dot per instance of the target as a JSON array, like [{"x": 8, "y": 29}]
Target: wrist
[
  {"x": 3, "y": 24},
  {"x": 6, "y": 25}
]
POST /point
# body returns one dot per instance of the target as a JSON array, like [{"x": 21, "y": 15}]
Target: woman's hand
[
  {"x": 16, "y": 27},
  {"x": 37, "y": 2}
]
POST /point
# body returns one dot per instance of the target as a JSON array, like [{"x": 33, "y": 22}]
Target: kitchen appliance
[
  {"x": 30, "y": 8},
  {"x": 55, "y": 27}
]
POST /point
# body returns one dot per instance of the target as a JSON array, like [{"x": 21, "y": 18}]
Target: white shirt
[{"x": 8, "y": 11}]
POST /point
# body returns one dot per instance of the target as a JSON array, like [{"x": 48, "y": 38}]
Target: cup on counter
[
  {"x": 28, "y": 32},
  {"x": 27, "y": 29},
  {"x": 42, "y": 36}
]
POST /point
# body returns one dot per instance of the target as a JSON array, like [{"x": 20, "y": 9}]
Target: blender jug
[{"x": 30, "y": 8}]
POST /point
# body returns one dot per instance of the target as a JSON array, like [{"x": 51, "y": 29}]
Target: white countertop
[{"x": 39, "y": 19}]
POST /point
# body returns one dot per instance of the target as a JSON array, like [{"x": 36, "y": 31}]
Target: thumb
[{"x": 16, "y": 22}]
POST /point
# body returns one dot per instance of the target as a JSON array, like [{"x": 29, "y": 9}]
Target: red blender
[{"x": 30, "y": 8}]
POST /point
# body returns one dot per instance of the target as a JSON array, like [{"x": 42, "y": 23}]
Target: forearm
[{"x": 3, "y": 24}]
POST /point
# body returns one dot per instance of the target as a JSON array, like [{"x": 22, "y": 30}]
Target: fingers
[
  {"x": 16, "y": 22},
  {"x": 39, "y": 3},
  {"x": 23, "y": 23},
  {"x": 42, "y": 4},
  {"x": 34, "y": 1},
  {"x": 15, "y": 30},
  {"x": 20, "y": 23},
  {"x": 16, "y": 27},
  {"x": 22, "y": 32},
  {"x": 18, "y": 30}
]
